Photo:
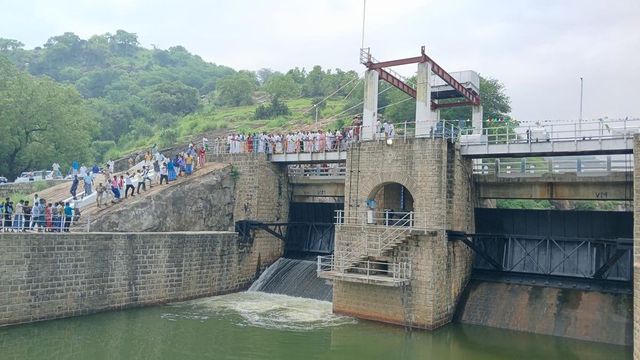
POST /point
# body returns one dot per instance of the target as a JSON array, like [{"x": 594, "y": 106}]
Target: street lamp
[{"x": 580, "y": 117}]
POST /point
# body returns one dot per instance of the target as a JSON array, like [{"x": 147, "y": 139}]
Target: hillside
[{"x": 93, "y": 99}]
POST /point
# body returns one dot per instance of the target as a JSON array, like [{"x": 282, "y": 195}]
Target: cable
[{"x": 330, "y": 95}]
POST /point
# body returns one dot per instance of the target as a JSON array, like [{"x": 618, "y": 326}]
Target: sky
[{"x": 537, "y": 49}]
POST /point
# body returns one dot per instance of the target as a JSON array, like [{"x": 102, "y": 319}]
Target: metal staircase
[{"x": 376, "y": 236}]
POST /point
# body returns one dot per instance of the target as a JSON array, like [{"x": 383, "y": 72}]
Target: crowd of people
[
  {"x": 42, "y": 216},
  {"x": 297, "y": 142},
  {"x": 156, "y": 168}
]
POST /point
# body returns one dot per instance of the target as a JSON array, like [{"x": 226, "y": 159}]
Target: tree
[
  {"x": 235, "y": 90},
  {"x": 124, "y": 43},
  {"x": 276, "y": 108},
  {"x": 265, "y": 74},
  {"x": 10, "y": 45},
  {"x": 41, "y": 122},
  {"x": 173, "y": 98},
  {"x": 313, "y": 82},
  {"x": 282, "y": 86}
]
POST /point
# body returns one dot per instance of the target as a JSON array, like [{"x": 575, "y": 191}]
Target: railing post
[
  {"x": 578, "y": 165},
  {"x": 523, "y": 165},
  {"x": 609, "y": 163},
  {"x": 368, "y": 267}
]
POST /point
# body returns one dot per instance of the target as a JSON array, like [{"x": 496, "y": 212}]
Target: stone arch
[
  {"x": 373, "y": 184},
  {"x": 392, "y": 196}
]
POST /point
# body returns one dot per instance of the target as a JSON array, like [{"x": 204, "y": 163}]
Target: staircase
[{"x": 353, "y": 263}]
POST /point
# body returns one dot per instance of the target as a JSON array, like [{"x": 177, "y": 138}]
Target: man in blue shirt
[{"x": 68, "y": 214}]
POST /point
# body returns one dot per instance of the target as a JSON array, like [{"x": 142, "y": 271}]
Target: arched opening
[{"x": 391, "y": 204}]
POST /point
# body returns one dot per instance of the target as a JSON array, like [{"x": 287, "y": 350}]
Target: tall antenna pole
[{"x": 364, "y": 12}]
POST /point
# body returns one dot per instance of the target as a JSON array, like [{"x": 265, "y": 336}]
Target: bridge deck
[{"x": 588, "y": 146}]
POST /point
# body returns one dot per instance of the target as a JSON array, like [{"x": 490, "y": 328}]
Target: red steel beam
[
  {"x": 404, "y": 87},
  {"x": 384, "y": 64},
  {"x": 472, "y": 98}
]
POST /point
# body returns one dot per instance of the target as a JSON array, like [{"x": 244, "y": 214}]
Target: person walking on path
[
  {"x": 100, "y": 191},
  {"x": 141, "y": 182},
  {"x": 164, "y": 174},
  {"x": 129, "y": 185},
  {"x": 171, "y": 169},
  {"x": 74, "y": 187},
  {"x": 114, "y": 188},
  {"x": 88, "y": 182}
]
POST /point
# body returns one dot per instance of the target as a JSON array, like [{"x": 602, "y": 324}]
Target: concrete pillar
[
  {"x": 425, "y": 118},
  {"x": 370, "y": 108},
  {"x": 476, "y": 119}
]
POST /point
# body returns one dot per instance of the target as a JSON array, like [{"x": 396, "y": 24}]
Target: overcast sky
[{"x": 538, "y": 49}]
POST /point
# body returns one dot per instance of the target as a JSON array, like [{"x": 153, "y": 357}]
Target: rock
[{"x": 202, "y": 202}]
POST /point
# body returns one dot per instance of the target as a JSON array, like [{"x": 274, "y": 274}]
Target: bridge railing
[
  {"x": 317, "y": 171},
  {"x": 539, "y": 167},
  {"x": 511, "y": 132}
]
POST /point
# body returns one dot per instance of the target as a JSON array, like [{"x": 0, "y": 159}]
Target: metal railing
[
  {"x": 511, "y": 132},
  {"x": 59, "y": 224},
  {"x": 365, "y": 269},
  {"x": 539, "y": 167},
  {"x": 380, "y": 231},
  {"x": 376, "y": 218}
]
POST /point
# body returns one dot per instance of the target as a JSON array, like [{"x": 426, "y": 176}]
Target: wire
[{"x": 330, "y": 95}]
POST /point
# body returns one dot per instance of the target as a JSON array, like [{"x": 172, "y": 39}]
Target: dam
[{"x": 394, "y": 254}]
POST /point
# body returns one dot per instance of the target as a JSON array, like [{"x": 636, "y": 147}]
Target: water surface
[{"x": 267, "y": 326}]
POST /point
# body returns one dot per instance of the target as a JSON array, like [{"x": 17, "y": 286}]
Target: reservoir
[{"x": 257, "y": 325}]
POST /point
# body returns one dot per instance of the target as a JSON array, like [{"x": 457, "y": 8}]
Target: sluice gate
[{"x": 577, "y": 249}]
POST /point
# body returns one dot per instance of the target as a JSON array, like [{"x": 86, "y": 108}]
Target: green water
[{"x": 265, "y": 326}]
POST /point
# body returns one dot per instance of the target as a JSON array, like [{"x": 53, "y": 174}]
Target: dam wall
[
  {"x": 261, "y": 193},
  {"x": 572, "y": 313},
  {"x": 49, "y": 276}
]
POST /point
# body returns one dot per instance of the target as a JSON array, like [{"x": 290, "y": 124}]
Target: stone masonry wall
[
  {"x": 439, "y": 180},
  {"x": 48, "y": 276},
  {"x": 261, "y": 193},
  {"x": 636, "y": 248}
]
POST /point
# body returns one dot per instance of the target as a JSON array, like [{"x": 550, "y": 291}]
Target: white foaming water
[{"x": 264, "y": 310}]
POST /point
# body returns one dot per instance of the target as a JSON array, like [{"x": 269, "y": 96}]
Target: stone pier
[{"x": 434, "y": 182}]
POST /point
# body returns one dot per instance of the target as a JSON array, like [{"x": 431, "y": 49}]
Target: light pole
[{"x": 580, "y": 118}]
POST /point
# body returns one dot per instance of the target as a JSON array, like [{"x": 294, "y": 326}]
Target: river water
[{"x": 256, "y": 325}]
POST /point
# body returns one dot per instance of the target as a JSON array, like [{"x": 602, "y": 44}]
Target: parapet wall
[{"x": 48, "y": 276}]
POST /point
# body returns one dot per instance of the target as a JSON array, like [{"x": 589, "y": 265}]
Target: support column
[
  {"x": 476, "y": 119},
  {"x": 425, "y": 117},
  {"x": 370, "y": 108}
]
